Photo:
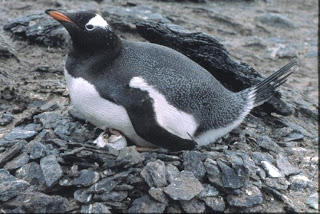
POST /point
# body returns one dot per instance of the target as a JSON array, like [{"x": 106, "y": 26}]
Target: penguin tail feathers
[{"x": 266, "y": 88}]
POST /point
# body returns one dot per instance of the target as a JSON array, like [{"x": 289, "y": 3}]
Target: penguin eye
[{"x": 89, "y": 27}]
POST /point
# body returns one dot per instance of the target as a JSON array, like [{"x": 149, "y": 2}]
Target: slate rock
[
  {"x": 233, "y": 75},
  {"x": 294, "y": 137},
  {"x": 87, "y": 177},
  {"x": 11, "y": 152},
  {"x": 192, "y": 161},
  {"x": 129, "y": 157},
  {"x": 6, "y": 50},
  {"x": 6, "y": 118},
  {"x": 158, "y": 194},
  {"x": 51, "y": 170},
  {"x": 95, "y": 208},
  {"x": 285, "y": 166},
  {"x": 50, "y": 106},
  {"x": 38, "y": 150},
  {"x": 267, "y": 143},
  {"x": 174, "y": 208},
  {"x": 37, "y": 202},
  {"x": 111, "y": 196},
  {"x": 299, "y": 182},
  {"x": 154, "y": 174},
  {"x": 10, "y": 186},
  {"x": 146, "y": 205},
  {"x": 213, "y": 172},
  {"x": 258, "y": 157},
  {"x": 277, "y": 183},
  {"x": 216, "y": 203},
  {"x": 313, "y": 201},
  {"x": 24, "y": 132},
  {"x": 125, "y": 18},
  {"x": 123, "y": 187},
  {"x": 275, "y": 20},
  {"x": 251, "y": 196},
  {"x": 209, "y": 191},
  {"x": 184, "y": 187},
  {"x": 31, "y": 173},
  {"x": 39, "y": 28},
  {"x": 230, "y": 178},
  {"x": 193, "y": 206},
  {"x": 104, "y": 185},
  {"x": 172, "y": 172},
  {"x": 272, "y": 171},
  {"x": 82, "y": 195},
  {"x": 281, "y": 132},
  {"x": 17, "y": 162}
]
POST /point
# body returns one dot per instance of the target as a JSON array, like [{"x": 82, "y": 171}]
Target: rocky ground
[{"x": 269, "y": 164}]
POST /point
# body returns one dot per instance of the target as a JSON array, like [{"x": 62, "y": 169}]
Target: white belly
[{"x": 98, "y": 111}]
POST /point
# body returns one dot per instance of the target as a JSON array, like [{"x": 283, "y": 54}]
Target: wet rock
[
  {"x": 125, "y": 18},
  {"x": 313, "y": 201},
  {"x": 6, "y": 118},
  {"x": 17, "y": 162},
  {"x": 216, "y": 203},
  {"x": 111, "y": 196},
  {"x": 82, "y": 195},
  {"x": 299, "y": 182},
  {"x": 250, "y": 196},
  {"x": 229, "y": 177},
  {"x": 146, "y": 205},
  {"x": 209, "y": 191},
  {"x": 95, "y": 208},
  {"x": 275, "y": 20},
  {"x": 39, "y": 28},
  {"x": 268, "y": 144},
  {"x": 193, "y": 163},
  {"x": 154, "y": 174},
  {"x": 184, "y": 187},
  {"x": 31, "y": 173},
  {"x": 285, "y": 166},
  {"x": 87, "y": 177},
  {"x": 38, "y": 150},
  {"x": 25, "y": 132},
  {"x": 233, "y": 75},
  {"x": 129, "y": 157},
  {"x": 193, "y": 206},
  {"x": 171, "y": 172},
  {"x": 51, "y": 170},
  {"x": 158, "y": 194},
  {"x": 11, "y": 152},
  {"x": 271, "y": 169}
]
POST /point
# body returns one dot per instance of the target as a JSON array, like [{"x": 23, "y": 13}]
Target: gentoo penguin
[{"x": 154, "y": 95}]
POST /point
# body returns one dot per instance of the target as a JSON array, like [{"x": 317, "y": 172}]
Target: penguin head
[{"x": 88, "y": 30}]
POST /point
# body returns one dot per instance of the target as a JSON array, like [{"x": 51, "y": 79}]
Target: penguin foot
[{"x": 112, "y": 138}]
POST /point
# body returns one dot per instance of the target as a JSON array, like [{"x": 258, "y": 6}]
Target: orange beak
[{"x": 58, "y": 15}]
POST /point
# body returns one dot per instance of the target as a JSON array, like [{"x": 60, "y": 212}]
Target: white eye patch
[{"x": 98, "y": 21}]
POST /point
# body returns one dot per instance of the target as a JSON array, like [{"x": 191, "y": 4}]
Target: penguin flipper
[{"x": 142, "y": 115}]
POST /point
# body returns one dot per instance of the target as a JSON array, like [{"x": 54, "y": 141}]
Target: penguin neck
[{"x": 109, "y": 48}]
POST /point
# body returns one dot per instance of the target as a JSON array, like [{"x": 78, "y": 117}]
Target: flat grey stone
[
  {"x": 275, "y": 20},
  {"x": 209, "y": 191},
  {"x": 184, "y": 187},
  {"x": 154, "y": 173},
  {"x": 22, "y": 133},
  {"x": 128, "y": 157},
  {"x": 111, "y": 196},
  {"x": 51, "y": 170},
  {"x": 17, "y": 162},
  {"x": 171, "y": 172},
  {"x": 31, "y": 173},
  {"x": 193, "y": 206},
  {"x": 95, "y": 208},
  {"x": 250, "y": 196},
  {"x": 230, "y": 178},
  {"x": 146, "y": 205},
  {"x": 158, "y": 194},
  {"x": 87, "y": 177},
  {"x": 82, "y": 195},
  {"x": 11, "y": 152},
  {"x": 10, "y": 186},
  {"x": 299, "y": 182},
  {"x": 313, "y": 201},
  {"x": 285, "y": 166},
  {"x": 216, "y": 203},
  {"x": 38, "y": 150},
  {"x": 193, "y": 162}
]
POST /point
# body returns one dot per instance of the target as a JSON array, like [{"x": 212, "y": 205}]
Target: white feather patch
[
  {"x": 98, "y": 21},
  {"x": 169, "y": 117}
]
